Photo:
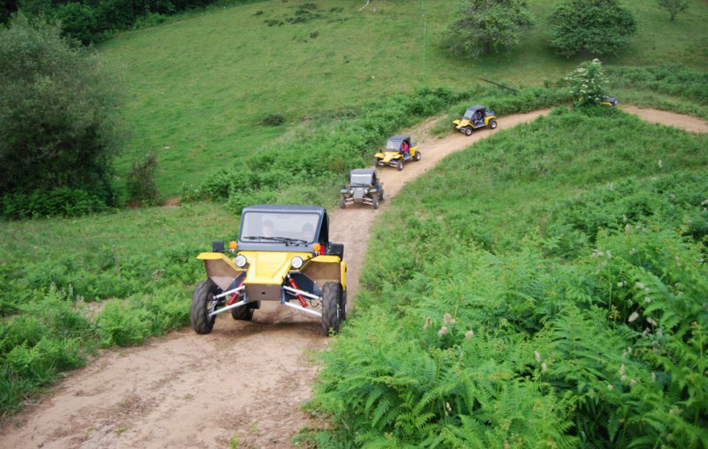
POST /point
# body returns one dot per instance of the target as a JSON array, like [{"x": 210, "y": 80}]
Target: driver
[
  {"x": 405, "y": 148},
  {"x": 267, "y": 228},
  {"x": 478, "y": 116}
]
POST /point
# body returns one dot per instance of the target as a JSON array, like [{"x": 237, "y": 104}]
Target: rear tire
[
  {"x": 468, "y": 131},
  {"x": 202, "y": 300},
  {"x": 493, "y": 124},
  {"x": 375, "y": 201},
  {"x": 243, "y": 313},
  {"x": 342, "y": 203},
  {"x": 417, "y": 156},
  {"x": 331, "y": 301},
  {"x": 399, "y": 166}
]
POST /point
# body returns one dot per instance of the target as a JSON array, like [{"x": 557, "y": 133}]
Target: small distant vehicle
[
  {"x": 475, "y": 117},
  {"x": 362, "y": 186},
  {"x": 610, "y": 101},
  {"x": 398, "y": 150},
  {"x": 283, "y": 254}
]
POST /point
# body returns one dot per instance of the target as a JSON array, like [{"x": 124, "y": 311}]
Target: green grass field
[{"x": 198, "y": 87}]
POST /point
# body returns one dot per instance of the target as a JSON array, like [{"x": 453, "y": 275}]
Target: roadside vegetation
[{"x": 534, "y": 290}]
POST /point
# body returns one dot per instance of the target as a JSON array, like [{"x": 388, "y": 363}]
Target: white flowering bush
[{"x": 588, "y": 83}]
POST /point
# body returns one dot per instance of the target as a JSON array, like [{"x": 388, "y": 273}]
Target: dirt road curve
[{"x": 243, "y": 382}]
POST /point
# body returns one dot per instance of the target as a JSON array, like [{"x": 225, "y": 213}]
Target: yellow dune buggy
[
  {"x": 398, "y": 150},
  {"x": 475, "y": 117},
  {"x": 283, "y": 254},
  {"x": 610, "y": 101}
]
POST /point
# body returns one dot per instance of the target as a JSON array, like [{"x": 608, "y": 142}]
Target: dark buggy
[{"x": 363, "y": 186}]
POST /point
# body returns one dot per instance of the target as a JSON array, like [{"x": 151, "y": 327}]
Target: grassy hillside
[
  {"x": 199, "y": 87},
  {"x": 538, "y": 291}
]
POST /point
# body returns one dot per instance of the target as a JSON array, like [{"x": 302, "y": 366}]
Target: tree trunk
[{"x": 487, "y": 47}]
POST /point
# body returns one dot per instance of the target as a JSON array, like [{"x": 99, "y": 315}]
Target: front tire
[
  {"x": 399, "y": 165},
  {"x": 331, "y": 302},
  {"x": 375, "y": 201},
  {"x": 492, "y": 124},
  {"x": 342, "y": 203},
  {"x": 378, "y": 161},
  {"x": 468, "y": 131},
  {"x": 202, "y": 301}
]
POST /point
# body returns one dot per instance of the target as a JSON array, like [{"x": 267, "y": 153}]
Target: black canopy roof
[
  {"x": 287, "y": 208},
  {"x": 363, "y": 171},
  {"x": 476, "y": 107}
]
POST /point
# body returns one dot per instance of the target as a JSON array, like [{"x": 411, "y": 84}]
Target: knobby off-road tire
[
  {"x": 493, "y": 124},
  {"x": 201, "y": 306},
  {"x": 331, "y": 303},
  {"x": 417, "y": 156},
  {"x": 468, "y": 131},
  {"x": 399, "y": 165},
  {"x": 243, "y": 313},
  {"x": 342, "y": 203},
  {"x": 343, "y": 307},
  {"x": 375, "y": 201}
]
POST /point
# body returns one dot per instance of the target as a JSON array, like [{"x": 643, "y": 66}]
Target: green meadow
[{"x": 199, "y": 87}]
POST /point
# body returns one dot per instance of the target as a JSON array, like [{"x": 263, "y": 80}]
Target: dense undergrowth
[{"x": 545, "y": 288}]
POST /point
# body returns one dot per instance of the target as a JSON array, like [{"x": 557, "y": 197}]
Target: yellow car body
[
  {"x": 283, "y": 254},
  {"x": 467, "y": 124},
  {"x": 393, "y": 154}
]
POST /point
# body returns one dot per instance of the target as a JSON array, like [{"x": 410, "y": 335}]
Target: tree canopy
[
  {"x": 597, "y": 27},
  {"x": 479, "y": 26},
  {"x": 58, "y": 119}
]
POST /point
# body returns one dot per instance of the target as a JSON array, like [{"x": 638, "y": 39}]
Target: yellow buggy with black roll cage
[
  {"x": 475, "y": 117},
  {"x": 283, "y": 254}
]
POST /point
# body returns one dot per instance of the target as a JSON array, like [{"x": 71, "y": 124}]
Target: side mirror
[{"x": 217, "y": 246}]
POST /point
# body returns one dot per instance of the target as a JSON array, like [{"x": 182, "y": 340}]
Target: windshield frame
[{"x": 284, "y": 231}]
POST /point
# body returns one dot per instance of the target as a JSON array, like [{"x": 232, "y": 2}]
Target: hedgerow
[{"x": 562, "y": 326}]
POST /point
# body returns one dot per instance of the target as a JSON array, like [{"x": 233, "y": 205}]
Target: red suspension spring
[
  {"x": 293, "y": 284},
  {"x": 236, "y": 295}
]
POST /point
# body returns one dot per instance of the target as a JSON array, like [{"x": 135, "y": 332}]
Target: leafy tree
[
  {"x": 673, "y": 6},
  {"x": 477, "y": 26},
  {"x": 595, "y": 26},
  {"x": 58, "y": 122},
  {"x": 78, "y": 21}
]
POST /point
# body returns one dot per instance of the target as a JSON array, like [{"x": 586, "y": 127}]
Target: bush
[
  {"x": 587, "y": 83},
  {"x": 599, "y": 27},
  {"x": 60, "y": 202},
  {"x": 141, "y": 185},
  {"x": 57, "y": 114}
]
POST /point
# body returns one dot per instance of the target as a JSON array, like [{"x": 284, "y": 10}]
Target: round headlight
[
  {"x": 296, "y": 262},
  {"x": 240, "y": 261}
]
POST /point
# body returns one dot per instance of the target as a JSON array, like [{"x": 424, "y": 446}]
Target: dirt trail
[{"x": 244, "y": 382}]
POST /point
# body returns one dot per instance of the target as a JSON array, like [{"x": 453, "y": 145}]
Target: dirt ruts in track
[{"x": 244, "y": 382}]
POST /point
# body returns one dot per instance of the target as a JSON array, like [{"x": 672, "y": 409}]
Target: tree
[
  {"x": 58, "y": 121},
  {"x": 595, "y": 26},
  {"x": 478, "y": 26},
  {"x": 674, "y": 6}
]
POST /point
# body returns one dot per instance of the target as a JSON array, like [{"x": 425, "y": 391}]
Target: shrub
[
  {"x": 599, "y": 27},
  {"x": 60, "y": 202},
  {"x": 273, "y": 120},
  {"x": 141, "y": 185},
  {"x": 588, "y": 83}
]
